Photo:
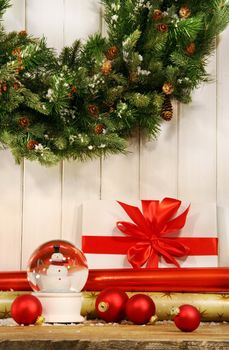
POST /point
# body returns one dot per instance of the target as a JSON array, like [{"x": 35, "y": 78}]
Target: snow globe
[{"x": 57, "y": 272}]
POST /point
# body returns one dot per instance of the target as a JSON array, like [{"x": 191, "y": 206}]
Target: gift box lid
[{"x": 99, "y": 217}]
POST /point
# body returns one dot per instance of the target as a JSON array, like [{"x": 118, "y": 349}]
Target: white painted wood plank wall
[{"x": 189, "y": 159}]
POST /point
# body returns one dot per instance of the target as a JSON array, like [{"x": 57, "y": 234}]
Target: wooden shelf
[{"x": 114, "y": 337}]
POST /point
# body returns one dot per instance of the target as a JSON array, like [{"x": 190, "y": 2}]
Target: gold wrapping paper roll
[
  {"x": 6, "y": 299},
  {"x": 212, "y": 307}
]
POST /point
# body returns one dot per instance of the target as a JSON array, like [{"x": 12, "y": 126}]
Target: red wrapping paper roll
[
  {"x": 144, "y": 280},
  {"x": 14, "y": 280},
  {"x": 161, "y": 280}
]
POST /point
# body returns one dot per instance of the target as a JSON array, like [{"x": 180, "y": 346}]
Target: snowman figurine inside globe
[{"x": 57, "y": 272}]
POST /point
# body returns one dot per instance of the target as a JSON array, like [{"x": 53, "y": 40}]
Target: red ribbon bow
[{"x": 151, "y": 228}]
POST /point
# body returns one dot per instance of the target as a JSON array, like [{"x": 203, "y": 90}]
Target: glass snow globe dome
[{"x": 57, "y": 267}]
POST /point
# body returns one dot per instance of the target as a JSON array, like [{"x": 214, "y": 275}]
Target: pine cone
[
  {"x": 106, "y": 68},
  {"x": 184, "y": 12},
  {"x": 73, "y": 91},
  {"x": 168, "y": 88},
  {"x": 3, "y": 87},
  {"x": 100, "y": 129},
  {"x": 93, "y": 110},
  {"x": 17, "y": 85},
  {"x": 112, "y": 53},
  {"x": 190, "y": 49},
  {"x": 17, "y": 52},
  {"x": 19, "y": 69},
  {"x": 167, "y": 109},
  {"x": 24, "y": 122},
  {"x": 31, "y": 144},
  {"x": 162, "y": 27},
  {"x": 157, "y": 15},
  {"x": 23, "y": 33}
]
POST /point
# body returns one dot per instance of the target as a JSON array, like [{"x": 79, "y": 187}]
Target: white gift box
[{"x": 99, "y": 218}]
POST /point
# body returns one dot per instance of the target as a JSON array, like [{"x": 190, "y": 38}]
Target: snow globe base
[{"x": 61, "y": 307}]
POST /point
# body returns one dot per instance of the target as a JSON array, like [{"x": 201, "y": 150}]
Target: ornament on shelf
[
  {"x": 110, "y": 304},
  {"x": 184, "y": 12},
  {"x": 57, "y": 272},
  {"x": 190, "y": 49},
  {"x": 100, "y": 129},
  {"x": 106, "y": 68},
  {"x": 157, "y": 15},
  {"x": 162, "y": 27},
  {"x": 168, "y": 88},
  {"x": 31, "y": 144},
  {"x": 112, "y": 53},
  {"x": 26, "y": 309},
  {"x": 167, "y": 109},
  {"x": 140, "y": 308},
  {"x": 187, "y": 317}
]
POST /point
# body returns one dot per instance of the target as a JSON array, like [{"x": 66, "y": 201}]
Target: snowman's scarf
[{"x": 58, "y": 263}]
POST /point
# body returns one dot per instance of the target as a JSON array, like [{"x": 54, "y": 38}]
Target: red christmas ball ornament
[
  {"x": 110, "y": 304},
  {"x": 187, "y": 318},
  {"x": 140, "y": 308},
  {"x": 26, "y": 309}
]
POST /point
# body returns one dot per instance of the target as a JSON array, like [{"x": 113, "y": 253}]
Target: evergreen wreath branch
[{"x": 91, "y": 98}]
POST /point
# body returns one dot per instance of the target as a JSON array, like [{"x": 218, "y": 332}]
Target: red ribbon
[
  {"x": 119, "y": 245},
  {"x": 151, "y": 228}
]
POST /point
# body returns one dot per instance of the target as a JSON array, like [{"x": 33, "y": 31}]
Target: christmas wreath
[{"x": 88, "y": 100}]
